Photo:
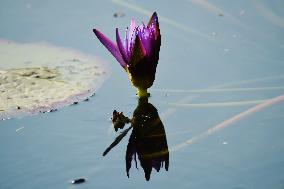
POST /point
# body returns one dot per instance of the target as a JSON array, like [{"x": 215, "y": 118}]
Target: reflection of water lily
[
  {"x": 138, "y": 54},
  {"x": 147, "y": 140}
]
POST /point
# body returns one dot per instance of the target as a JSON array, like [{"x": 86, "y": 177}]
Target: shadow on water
[{"x": 147, "y": 141}]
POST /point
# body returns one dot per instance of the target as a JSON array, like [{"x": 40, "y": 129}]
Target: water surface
[{"x": 206, "y": 46}]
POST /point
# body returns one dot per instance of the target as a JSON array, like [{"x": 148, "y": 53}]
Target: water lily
[{"x": 138, "y": 54}]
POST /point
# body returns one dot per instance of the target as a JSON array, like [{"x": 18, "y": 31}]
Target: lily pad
[{"x": 39, "y": 77}]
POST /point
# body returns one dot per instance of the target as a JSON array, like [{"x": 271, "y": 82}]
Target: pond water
[{"x": 220, "y": 65}]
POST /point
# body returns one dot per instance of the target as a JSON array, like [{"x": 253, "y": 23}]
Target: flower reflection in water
[{"x": 147, "y": 141}]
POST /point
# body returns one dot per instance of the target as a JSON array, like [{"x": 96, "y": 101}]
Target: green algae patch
[{"x": 39, "y": 77}]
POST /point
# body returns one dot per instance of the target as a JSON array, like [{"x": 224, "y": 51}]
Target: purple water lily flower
[{"x": 138, "y": 54}]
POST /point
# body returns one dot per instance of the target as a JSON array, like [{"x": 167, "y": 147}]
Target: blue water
[{"x": 201, "y": 49}]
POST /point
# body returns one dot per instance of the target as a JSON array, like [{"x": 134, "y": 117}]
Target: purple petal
[
  {"x": 153, "y": 22},
  {"x": 131, "y": 34},
  {"x": 156, "y": 164},
  {"x": 144, "y": 35},
  {"x": 132, "y": 28},
  {"x": 111, "y": 47},
  {"x": 138, "y": 51},
  {"x": 120, "y": 47},
  {"x": 153, "y": 19},
  {"x": 126, "y": 41}
]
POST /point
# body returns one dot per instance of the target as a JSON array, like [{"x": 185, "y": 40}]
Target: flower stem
[{"x": 142, "y": 93}]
